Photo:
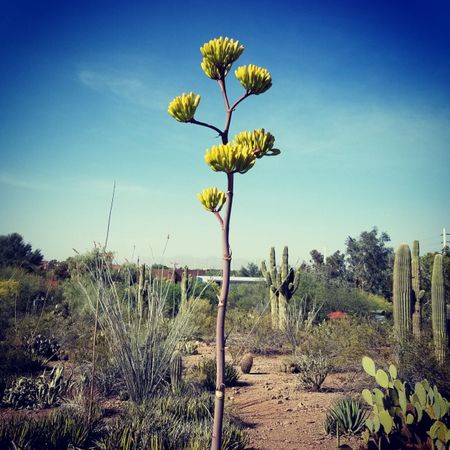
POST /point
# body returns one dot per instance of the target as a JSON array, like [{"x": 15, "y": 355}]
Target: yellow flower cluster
[
  {"x": 183, "y": 107},
  {"x": 212, "y": 199},
  {"x": 230, "y": 158},
  {"x": 255, "y": 80},
  {"x": 218, "y": 56},
  {"x": 259, "y": 141}
]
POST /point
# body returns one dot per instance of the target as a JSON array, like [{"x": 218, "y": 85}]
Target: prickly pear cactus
[
  {"x": 282, "y": 285},
  {"x": 417, "y": 293},
  {"x": 402, "y": 293},
  {"x": 438, "y": 311},
  {"x": 403, "y": 416}
]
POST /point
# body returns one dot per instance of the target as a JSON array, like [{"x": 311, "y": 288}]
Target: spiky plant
[
  {"x": 417, "y": 293},
  {"x": 402, "y": 293},
  {"x": 438, "y": 310},
  {"x": 237, "y": 156},
  {"x": 345, "y": 416},
  {"x": 282, "y": 283}
]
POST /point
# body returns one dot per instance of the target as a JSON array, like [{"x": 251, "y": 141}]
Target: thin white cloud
[
  {"x": 18, "y": 182},
  {"x": 130, "y": 89}
]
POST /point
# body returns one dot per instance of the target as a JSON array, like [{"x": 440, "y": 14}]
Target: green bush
[
  {"x": 63, "y": 429},
  {"x": 345, "y": 416},
  {"x": 15, "y": 360},
  {"x": 207, "y": 373},
  {"x": 46, "y": 347},
  {"x": 41, "y": 392},
  {"x": 179, "y": 421},
  {"x": 313, "y": 368},
  {"x": 418, "y": 362},
  {"x": 346, "y": 340}
]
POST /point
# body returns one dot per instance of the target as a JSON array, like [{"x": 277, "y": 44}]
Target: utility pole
[{"x": 444, "y": 239}]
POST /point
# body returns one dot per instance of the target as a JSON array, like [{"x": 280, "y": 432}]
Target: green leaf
[
  {"x": 402, "y": 401},
  {"x": 376, "y": 424},
  {"x": 368, "y": 366},
  {"x": 393, "y": 371},
  {"x": 421, "y": 393},
  {"x": 409, "y": 419},
  {"x": 399, "y": 385},
  {"x": 386, "y": 421},
  {"x": 419, "y": 411},
  {"x": 378, "y": 397},
  {"x": 367, "y": 396},
  {"x": 382, "y": 378}
]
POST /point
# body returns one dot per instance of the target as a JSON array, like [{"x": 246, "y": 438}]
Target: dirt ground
[{"x": 280, "y": 416}]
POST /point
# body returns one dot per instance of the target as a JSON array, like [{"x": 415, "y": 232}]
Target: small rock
[{"x": 280, "y": 402}]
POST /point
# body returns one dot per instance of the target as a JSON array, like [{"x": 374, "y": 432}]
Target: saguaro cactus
[
  {"x": 438, "y": 310},
  {"x": 402, "y": 292},
  {"x": 271, "y": 277},
  {"x": 238, "y": 156},
  {"x": 288, "y": 281},
  {"x": 185, "y": 289},
  {"x": 176, "y": 369},
  {"x": 417, "y": 293},
  {"x": 282, "y": 285}
]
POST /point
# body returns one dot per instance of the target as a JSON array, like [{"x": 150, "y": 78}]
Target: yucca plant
[
  {"x": 237, "y": 156},
  {"x": 345, "y": 416},
  {"x": 207, "y": 369},
  {"x": 142, "y": 340}
]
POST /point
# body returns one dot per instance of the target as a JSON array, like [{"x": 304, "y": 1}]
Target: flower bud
[
  {"x": 212, "y": 199},
  {"x": 230, "y": 158},
  {"x": 255, "y": 80},
  {"x": 183, "y": 107}
]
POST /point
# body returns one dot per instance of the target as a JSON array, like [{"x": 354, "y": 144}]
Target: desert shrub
[
  {"x": 313, "y": 369},
  {"x": 253, "y": 333},
  {"x": 346, "y": 340},
  {"x": 336, "y": 295},
  {"x": 33, "y": 291},
  {"x": 41, "y": 392},
  {"x": 204, "y": 326},
  {"x": 206, "y": 371},
  {"x": 47, "y": 347},
  {"x": 345, "y": 416},
  {"x": 62, "y": 429},
  {"x": 108, "y": 379},
  {"x": 171, "y": 422},
  {"x": 301, "y": 315},
  {"x": 140, "y": 337},
  {"x": 418, "y": 362},
  {"x": 187, "y": 347},
  {"x": 15, "y": 360},
  {"x": 247, "y": 297}
]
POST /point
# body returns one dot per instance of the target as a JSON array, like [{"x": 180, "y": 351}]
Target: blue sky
[{"x": 360, "y": 107}]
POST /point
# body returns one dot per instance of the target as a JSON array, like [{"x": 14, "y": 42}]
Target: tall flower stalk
[{"x": 237, "y": 156}]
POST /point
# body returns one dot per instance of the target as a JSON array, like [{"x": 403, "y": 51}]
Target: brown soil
[{"x": 280, "y": 416}]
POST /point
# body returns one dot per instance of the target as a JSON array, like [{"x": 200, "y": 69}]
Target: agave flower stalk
[{"x": 234, "y": 157}]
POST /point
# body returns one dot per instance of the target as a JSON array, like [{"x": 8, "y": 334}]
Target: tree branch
[{"x": 207, "y": 125}]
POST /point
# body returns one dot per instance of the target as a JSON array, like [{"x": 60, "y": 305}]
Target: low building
[{"x": 233, "y": 280}]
